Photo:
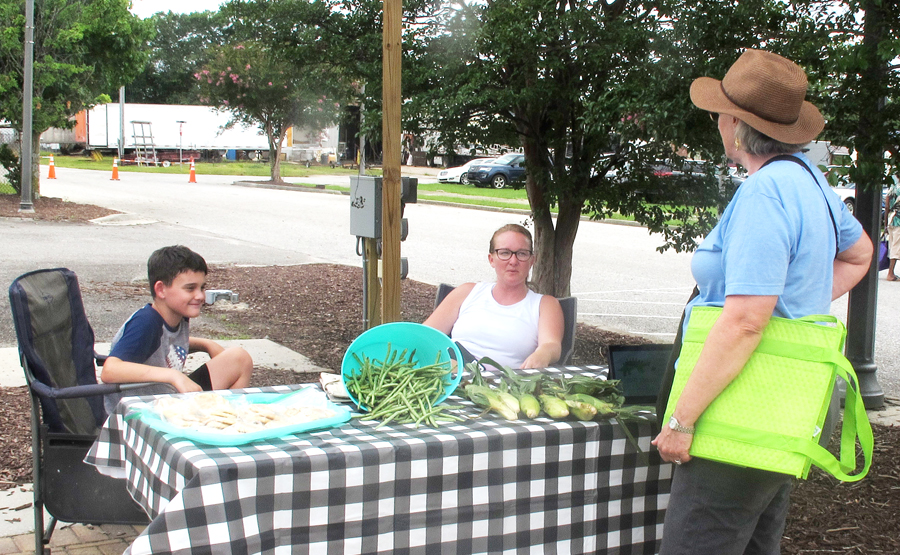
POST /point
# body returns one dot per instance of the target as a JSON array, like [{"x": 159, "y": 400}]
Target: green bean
[{"x": 395, "y": 390}]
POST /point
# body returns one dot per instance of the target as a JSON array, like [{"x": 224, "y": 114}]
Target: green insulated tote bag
[{"x": 770, "y": 417}]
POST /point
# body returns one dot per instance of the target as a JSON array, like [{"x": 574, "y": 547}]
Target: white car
[
  {"x": 460, "y": 174},
  {"x": 848, "y": 195}
]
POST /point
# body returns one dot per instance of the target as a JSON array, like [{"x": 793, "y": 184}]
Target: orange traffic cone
[
  {"x": 193, "y": 176},
  {"x": 52, "y": 173},
  {"x": 115, "y": 175}
]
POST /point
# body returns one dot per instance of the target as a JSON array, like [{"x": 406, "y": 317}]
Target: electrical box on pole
[
  {"x": 366, "y": 223},
  {"x": 365, "y": 206}
]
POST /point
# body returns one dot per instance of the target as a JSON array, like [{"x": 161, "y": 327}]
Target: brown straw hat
[{"x": 765, "y": 91}]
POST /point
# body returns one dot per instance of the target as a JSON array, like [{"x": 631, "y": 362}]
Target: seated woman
[{"x": 505, "y": 320}]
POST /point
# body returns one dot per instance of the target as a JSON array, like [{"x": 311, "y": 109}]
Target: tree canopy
[
  {"x": 82, "y": 52},
  {"x": 178, "y": 50},
  {"x": 596, "y": 94},
  {"x": 260, "y": 88}
]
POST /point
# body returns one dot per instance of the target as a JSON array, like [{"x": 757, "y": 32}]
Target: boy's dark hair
[{"x": 166, "y": 263}]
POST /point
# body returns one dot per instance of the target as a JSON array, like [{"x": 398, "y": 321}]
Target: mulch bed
[
  {"x": 52, "y": 209},
  {"x": 316, "y": 310}
]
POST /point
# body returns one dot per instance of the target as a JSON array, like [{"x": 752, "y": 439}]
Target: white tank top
[{"x": 507, "y": 334}]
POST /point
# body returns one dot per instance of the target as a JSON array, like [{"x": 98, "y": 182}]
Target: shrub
[{"x": 10, "y": 161}]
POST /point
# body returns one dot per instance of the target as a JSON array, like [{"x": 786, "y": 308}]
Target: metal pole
[
  {"x": 180, "y": 154},
  {"x": 862, "y": 304},
  {"x": 121, "y": 122},
  {"x": 26, "y": 158},
  {"x": 362, "y": 135},
  {"x": 365, "y": 289}
]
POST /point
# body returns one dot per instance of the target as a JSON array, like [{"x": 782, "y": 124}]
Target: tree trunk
[
  {"x": 275, "y": 157},
  {"x": 553, "y": 246}
]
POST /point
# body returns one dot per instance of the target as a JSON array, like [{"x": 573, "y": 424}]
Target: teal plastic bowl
[{"x": 426, "y": 341}]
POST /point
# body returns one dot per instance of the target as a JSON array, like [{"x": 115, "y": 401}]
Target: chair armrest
[
  {"x": 100, "y": 359},
  {"x": 79, "y": 391},
  {"x": 467, "y": 356}
]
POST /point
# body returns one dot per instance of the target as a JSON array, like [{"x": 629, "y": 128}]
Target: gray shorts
[{"x": 722, "y": 509}]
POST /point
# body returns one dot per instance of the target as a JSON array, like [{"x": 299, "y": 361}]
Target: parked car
[
  {"x": 847, "y": 192},
  {"x": 682, "y": 184},
  {"x": 499, "y": 173},
  {"x": 460, "y": 174},
  {"x": 848, "y": 195}
]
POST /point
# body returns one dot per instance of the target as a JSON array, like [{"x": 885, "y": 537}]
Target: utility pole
[
  {"x": 390, "y": 236},
  {"x": 121, "y": 122},
  {"x": 26, "y": 152},
  {"x": 362, "y": 134},
  {"x": 862, "y": 303},
  {"x": 180, "y": 135}
]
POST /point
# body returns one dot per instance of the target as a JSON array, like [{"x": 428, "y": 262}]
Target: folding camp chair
[
  {"x": 569, "y": 307},
  {"x": 56, "y": 349}
]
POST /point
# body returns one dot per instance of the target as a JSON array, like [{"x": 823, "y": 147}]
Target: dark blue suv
[{"x": 499, "y": 173}]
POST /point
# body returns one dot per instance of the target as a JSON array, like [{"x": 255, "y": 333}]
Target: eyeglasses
[
  {"x": 714, "y": 116},
  {"x": 506, "y": 254}
]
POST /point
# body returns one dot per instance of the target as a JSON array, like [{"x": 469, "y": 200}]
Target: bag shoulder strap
[{"x": 794, "y": 159}]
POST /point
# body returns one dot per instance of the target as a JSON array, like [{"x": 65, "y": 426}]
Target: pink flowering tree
[{"x": 259, "y": 88}]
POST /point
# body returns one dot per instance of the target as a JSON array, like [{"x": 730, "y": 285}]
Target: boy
[{"x": 153, "y": 344}]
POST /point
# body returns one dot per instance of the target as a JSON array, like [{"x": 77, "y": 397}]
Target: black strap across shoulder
[{"x": 794, "y": 159}]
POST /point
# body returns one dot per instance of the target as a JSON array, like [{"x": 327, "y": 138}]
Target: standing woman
[{"x": 784, "y": 246}]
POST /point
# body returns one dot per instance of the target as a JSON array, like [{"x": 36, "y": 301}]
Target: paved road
[{"x": 621, "y": 281}]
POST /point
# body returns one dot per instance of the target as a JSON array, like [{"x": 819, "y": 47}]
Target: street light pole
[
  {"x": 121, "y": 122},
  {"x": 27, "y": 154},
  {"x": 362, "y": 134},
  {"x": 180, "y": 154}
]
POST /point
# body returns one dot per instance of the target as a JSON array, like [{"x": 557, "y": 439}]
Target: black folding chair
[
  {"x": 569, "y": 307},
  {"x": 56, "y": 349}
]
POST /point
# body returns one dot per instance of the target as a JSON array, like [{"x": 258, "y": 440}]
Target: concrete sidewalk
[{"x": 16, "y": 504}]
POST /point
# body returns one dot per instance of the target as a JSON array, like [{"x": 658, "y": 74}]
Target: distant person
[
  {"x": 153, "y": 344},
  {"x": 892, "y": 225},
  {"x": 504, "y": 320}
]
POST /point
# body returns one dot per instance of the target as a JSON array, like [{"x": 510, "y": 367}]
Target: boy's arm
[
  {"x": 116, "y": 370},
  {"x": 207, "y": 346}
]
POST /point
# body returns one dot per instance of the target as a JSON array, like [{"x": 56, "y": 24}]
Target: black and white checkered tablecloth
[{"x": 481, "y": 486}]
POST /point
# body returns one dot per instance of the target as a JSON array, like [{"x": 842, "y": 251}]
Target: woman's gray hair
[{"x": 756, "y": 143}]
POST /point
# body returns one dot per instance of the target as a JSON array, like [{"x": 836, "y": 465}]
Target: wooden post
[{"x": 390, "y": 199}]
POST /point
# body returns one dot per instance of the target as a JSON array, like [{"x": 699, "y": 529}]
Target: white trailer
[{"x": 172, "y": 127}]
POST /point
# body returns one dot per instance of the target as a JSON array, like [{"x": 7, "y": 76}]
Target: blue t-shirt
[
  {"x": 776, "y": 238},
  {"x": 145, "y": 338}
]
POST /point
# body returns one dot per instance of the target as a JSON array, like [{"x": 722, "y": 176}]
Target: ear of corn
[
  {"x": 510, "y": 401},
  {"x": 581, "y": 411},
  {"x": 486, "y": 397},
  {"x": 555, "y": 407},
  {"x": 530, "y": 405},
  {"x": 603, "y": 408}
]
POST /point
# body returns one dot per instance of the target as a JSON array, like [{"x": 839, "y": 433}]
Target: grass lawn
[
  {"x": 253, "y": 169},
  {"x": 507, "y": 198}
]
